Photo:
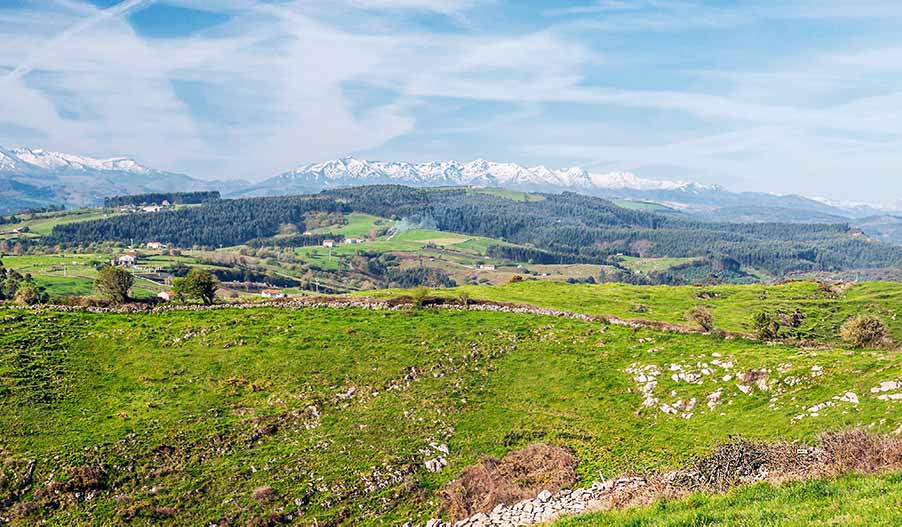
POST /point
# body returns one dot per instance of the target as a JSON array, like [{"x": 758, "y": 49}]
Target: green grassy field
[
  {"x": 185, "y": 414},
  {"x": 70, "y": 274},
  {"x": 732, "y": 305},
  {"x": 468, "y": 248},
  {"x": 358, "y": 224},
  {"x": 514, "y": 195},
  {"x": 42, "y": 224},
  {"x": 647, "y": 265},
  {"x": 646, "y": 206},
  {"x": 853, "y": 500}
]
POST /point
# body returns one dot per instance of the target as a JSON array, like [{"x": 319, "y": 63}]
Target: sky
[{"x": 783, "y": 96}]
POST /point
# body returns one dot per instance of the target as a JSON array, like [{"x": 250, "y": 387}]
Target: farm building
[
  {"x": 272, "y": 293},
  {"x": 329, "y": 243},
  {"x": 128, "y": 259},
  {"x": 155, "y": 245},
  {"x": 166, "y": 295}
]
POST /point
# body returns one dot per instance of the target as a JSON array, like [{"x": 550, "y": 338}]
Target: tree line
[
  {"x": 560, "y": 228},
  {"x": 183, "y": 198}
]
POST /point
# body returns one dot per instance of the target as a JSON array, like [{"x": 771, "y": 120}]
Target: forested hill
[{"x": 572, "y": 226}]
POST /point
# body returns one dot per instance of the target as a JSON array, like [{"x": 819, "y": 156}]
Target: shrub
[
  {"x": 700, "y": 316},
  {"x": 264, "y": 494},
  {"x": 727, "y": 466},
  {"x": 29, "y": 295},
  {"x": 766, "y": 326},
  {"x": 419, "y": 296},
  {"x": 516, "y": 278},
  {"x": 518, "y": 476},
  {"x": 463, "y": 298},
  {"x": 864, "y": 331},
  {"x": 857, "y": 450}
]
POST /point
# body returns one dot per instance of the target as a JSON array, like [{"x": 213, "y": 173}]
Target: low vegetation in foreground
[
  {"x": 850, "y": 500},
  {"x": 344, "y": 416}
]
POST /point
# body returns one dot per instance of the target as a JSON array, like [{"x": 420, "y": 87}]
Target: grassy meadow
[
  {"x": 70, "y": 274},
  {"x": 181, "y": 416},
  {"x": 824, "y": 308},
  {"x": 853, "y": 500}
]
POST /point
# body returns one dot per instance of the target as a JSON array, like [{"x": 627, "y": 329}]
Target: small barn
[{"x": 272, "y": 293}]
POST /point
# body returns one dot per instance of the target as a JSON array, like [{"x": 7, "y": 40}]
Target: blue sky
[{"x": 792, "y": 96}]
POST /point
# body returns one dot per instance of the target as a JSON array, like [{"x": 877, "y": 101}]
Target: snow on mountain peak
[
  {"x": 479, "y": 172},
  {"x": 44, "y": 159}
]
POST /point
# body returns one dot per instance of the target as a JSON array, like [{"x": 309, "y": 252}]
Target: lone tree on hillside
[
  {"x": 702, "y": 317},
  {"x": 197, "y": 284},
  {"x": 114, "y": 283},
  {"x": 864, "y": 331}
]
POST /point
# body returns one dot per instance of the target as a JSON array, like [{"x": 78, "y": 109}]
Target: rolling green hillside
[
  {"x": 556, "y": 228},
  {"x": 824, "y": 307},
  {"x": 331, "y": 414}
]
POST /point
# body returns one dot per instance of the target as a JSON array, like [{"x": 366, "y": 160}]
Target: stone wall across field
[{"x": 378, "y": 304}]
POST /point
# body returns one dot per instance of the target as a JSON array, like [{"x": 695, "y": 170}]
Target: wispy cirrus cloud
[{"x": 679, "y": 88}]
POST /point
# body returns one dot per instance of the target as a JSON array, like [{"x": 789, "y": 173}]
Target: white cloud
[{"x": 278, "y": 73}]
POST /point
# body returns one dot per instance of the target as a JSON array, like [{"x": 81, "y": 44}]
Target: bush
[
  {"x": 857, "y": 450},
  {"x": 766, "y": 326},
  {"x": 864, "y": 331},
  {"x": 516, "y": 278},
  {"x": 463, "y": 298},
  {"x": 520, "y": 475},
  {"x": 419, "y": 296},
  {"x": 700, "y": 316},
  {"x": 30, "y": 295}
]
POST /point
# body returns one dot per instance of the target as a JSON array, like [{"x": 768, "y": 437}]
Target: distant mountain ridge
[
  {"x": 37, "y": 178},
  {"x": 350, "y": 171}
]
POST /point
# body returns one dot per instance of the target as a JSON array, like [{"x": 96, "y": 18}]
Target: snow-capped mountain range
[
  {"x": 36, "y": 178},
  {"x": 353, "y": 171},
  {"x": 31, "y": 159}
]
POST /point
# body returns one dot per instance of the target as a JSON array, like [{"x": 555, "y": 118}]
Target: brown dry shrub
[
  {"x": 86, "y": 477},
  {"x": 270, "y": 520},
  {"x": 865, "y": 331},
  {"x": 518, "y": 476},
  {"x": 264, "y": 494},
  {"x": 856, "y": 450},
  {"x": 700, "y": 316},
  {"x": 728, "y": 465}
]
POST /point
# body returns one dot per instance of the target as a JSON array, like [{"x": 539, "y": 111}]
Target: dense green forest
[
  {"x": 561, "y": 228},
  {"x": 182, "y": 198}
]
